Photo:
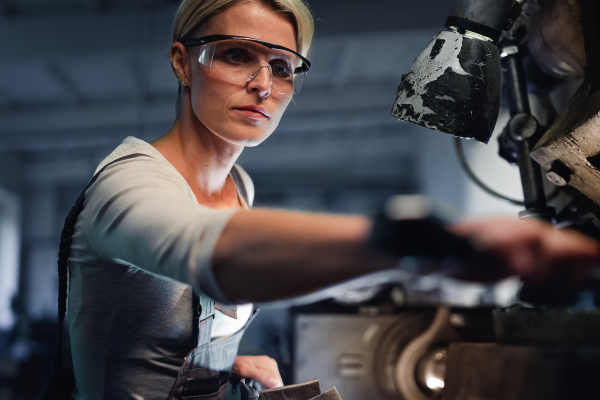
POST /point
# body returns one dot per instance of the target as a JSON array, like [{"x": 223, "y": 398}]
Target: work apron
[{"x": 208, "y": 368}]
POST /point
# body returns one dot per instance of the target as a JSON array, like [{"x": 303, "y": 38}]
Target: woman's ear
[{"x": 179, "y": 62}]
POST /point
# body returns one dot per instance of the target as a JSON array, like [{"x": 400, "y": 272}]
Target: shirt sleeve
[{"x": 140, "y": 212}]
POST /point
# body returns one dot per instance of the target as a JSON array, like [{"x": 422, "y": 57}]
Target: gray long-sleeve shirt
[{"x": 141, "y": 243}]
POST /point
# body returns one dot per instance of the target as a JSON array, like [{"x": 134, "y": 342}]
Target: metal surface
[
  {"x": 431, "y": 370},
  {"x": 490, "y": 13},
  {"x": 555, "y": 37},
  {"x": 487, "y": 18},
  {"x": 356, "y": 354},
  {"x": 551, "y": 327},
  {"x": 590, "y": 19},
  {"x": 439, "y": 335},
  {"x": 499, "y": 372},
  {"x": 559, "y": 174},
  {"x": 454, "y": 87},
  {"x": 574, "y": 140}
]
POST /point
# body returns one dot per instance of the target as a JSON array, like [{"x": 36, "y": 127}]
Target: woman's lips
[{"x": 253, "y": 112}]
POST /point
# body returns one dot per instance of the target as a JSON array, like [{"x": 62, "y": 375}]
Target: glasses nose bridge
[{"x": 257, "y": 72}]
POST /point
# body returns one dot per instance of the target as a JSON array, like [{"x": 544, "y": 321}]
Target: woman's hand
[
  {"x": 262, "y": 369},
  {"x": 535, "y": 250}
]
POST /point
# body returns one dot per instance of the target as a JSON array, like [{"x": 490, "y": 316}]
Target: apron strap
[
  {"x": 203, "y": 310},
  {"x": 196, "y": 319},
  {"x": 231, "y": 311},
  {"x": 202, "y": 329},
  {"x": 63, "y": 258},
  {"x": 205, "y": 330}
]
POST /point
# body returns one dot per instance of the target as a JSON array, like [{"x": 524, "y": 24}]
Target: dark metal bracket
[{"x": 591, "y": 33}]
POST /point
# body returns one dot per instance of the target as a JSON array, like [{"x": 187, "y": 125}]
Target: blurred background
[{"x": 79, "y": 76}]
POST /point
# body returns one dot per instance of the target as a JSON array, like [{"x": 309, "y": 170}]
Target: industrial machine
[{"x": 391, "y": 343}]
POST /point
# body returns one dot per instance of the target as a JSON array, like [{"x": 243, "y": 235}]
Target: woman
[{"x": 166, "y": 217}]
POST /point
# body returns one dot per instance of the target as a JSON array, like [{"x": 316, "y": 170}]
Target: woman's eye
[
  {"x": 235, "y": 56},
  {"x": 281, "y": 69}
]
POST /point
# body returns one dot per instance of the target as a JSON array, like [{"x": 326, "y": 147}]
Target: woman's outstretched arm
[
  {"x": 265, "y": 255},
  {"x": 139, "y": 213}
]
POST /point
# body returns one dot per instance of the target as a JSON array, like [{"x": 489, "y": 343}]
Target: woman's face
[{"x": 243, "y": 113}]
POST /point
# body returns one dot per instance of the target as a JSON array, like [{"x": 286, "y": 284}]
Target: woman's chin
[
  {"x": 254, "y": 141},
  {"x": 248, "y": 138}
]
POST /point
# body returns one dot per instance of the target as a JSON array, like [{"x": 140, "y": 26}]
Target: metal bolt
[
  {"x": 556, "y": 179},
  {"x": 522, "y": 126},
  {"x": 457, "y": 320},
  {"x": 559, "y": 173}
]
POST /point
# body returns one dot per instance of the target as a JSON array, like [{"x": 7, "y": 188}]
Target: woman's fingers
[
  {"x": 532, "y": 249},
  {"x": 260, "y": 368}
]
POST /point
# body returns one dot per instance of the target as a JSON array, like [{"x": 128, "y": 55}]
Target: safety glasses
[{"x": 240, "y": 60}]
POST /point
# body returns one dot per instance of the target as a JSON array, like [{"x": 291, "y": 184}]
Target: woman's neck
[{"x": 203, "y": 159}]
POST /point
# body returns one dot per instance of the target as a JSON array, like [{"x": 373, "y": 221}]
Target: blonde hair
[{"x": 192, "y": 14}]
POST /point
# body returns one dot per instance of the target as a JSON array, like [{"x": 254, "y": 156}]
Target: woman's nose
[{"x": 260, "y": 81}]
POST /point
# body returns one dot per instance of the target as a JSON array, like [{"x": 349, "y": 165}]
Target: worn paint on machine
[{"x": 454, "y": 86}]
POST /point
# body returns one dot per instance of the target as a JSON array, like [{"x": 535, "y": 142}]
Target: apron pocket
[{"x": 218, "y": 393}]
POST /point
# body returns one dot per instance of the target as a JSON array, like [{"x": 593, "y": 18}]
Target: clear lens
[
  {"x": 298, "y": 81},
  {"x": 239, "y": 60}
]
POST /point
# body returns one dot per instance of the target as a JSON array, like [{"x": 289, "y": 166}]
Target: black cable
[{"x": 465, "y": 166}]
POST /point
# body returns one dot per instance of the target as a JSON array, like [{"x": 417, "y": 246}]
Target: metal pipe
[
  {"x": 514, "y": 78},
  {"x": 491, "y": 13},
  {"x": 531, "y": 177},
  {"x": 522, "y": 128},
  {"x": 484, "y": 17}
]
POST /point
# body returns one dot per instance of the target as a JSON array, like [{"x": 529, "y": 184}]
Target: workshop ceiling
[
  {"x": 73, "y": 65},
  {"x": 19, "y": 8},
  {"x": 333, "y": 16},
  {"x": 78, "y": 76}
]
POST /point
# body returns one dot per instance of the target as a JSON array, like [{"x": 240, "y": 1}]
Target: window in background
[{"x": 9, "y": 255}]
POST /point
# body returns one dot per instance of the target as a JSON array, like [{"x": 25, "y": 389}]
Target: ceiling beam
[
  {"x": 96, "y": 5},
  {"x": 331, "y": 17},
  {"x": 8, "y": 8},
  {"x": 139, "y": 76},
  {"x": 293, "y": 131},
  {"x": 378, "y": 157},
  {"x": 342, "y": 70},
  {"x": 162, "y": 111},
  {"x": 64, "y": 35},
  {"x": 62, "y": 77},
  {"x": 5, "y": 102}
]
